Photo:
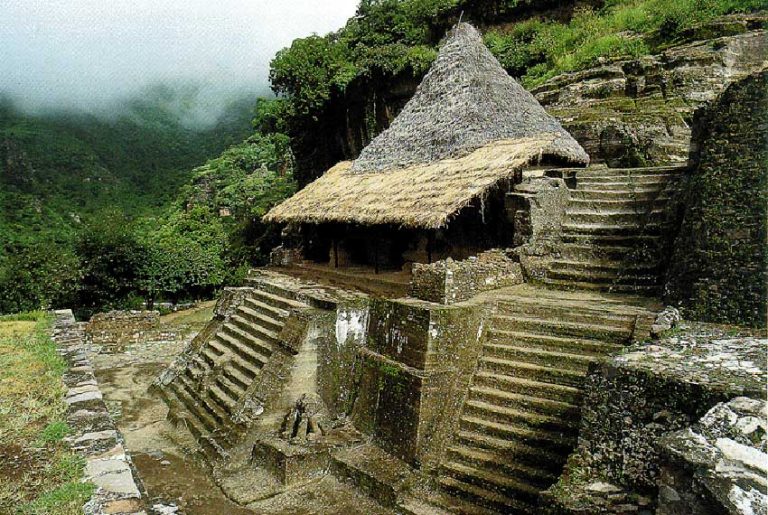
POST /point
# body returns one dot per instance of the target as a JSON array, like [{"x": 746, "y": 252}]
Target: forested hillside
[
  {"x": 117, "y": 212},
  {"x": 65, "y": 175}
]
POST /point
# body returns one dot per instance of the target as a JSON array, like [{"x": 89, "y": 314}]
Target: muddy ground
[{"x": 172, "y": 472}]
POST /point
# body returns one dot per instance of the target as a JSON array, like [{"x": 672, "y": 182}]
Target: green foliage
[
  {"x": 111, "y": 255},
  {"x": 38, "y": 276},
  {"x": 310, "y": 70},
  {"x": 54, "y": 432},
  {"x": 388, "y": 38}
]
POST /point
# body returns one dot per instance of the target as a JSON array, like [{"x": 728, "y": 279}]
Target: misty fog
[{"x": 91, "y": 54}]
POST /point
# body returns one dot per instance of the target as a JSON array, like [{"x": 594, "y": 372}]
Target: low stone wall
[
  {"x": 95, "y": 438},
  {"x": 115, "y": 329},
  {"x": 634, "y": 400},
  {"x": 449, "y": 281}
]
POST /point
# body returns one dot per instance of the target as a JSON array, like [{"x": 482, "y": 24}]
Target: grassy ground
[
  {"x": 195, "y": 318},
  {"x": 38, "y": 473}
]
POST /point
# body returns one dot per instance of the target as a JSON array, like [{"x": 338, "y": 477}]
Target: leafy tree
[
  {"x": 38, "y": 276},
  {"x": 110, "y": 256}
]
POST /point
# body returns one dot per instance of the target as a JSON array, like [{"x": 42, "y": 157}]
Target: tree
[{"x": 38, "y": 276}]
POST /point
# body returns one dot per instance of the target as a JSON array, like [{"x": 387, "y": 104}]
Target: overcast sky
[{"x": 85, "y": 53}]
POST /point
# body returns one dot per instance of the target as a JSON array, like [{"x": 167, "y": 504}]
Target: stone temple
[{"x": 426, "y": 329}]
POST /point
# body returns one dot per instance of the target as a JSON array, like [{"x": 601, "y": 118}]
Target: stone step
[
  {"x": 557, "y": 442},
  {"x": 257, "y": 333},
  {"x": 533, "y": 372},
  {"x": 617, "y": 204},
  {"x": 241, "y": 380},
  {"x": 554, "y": 343},
  {"x": 376, "y": 285},
  {"x": 192, "y": 405},
  {"x": 584, "y": 311},
  {"x": 260, "y": 319},
  {"x": 651, "y": 241},
  {"x": 623, "y": 217},
  {"x": 569, "y": 284},
  {"x": 524, "y": 386},
  {"x": 248, "y": 366},
  {"x": 222, "y": 399},
  {"x": 490, "y": 480},
  {"x": 518, "y": 417},
  {"x": 530, "y": 403},
  {"x": 645, "y": 195},
  {"x": 555, "y": 327},
  {"x": 246, "y": 345},
  {"x": 179, "y": 412},
  {"x": 606, "y": 229},
  {"x": 523, "y": 354},
  {"x": 606, "y": 266},
  {"x": 277, "y": 300},
  {"x": 265, "y": 309},
  {"x": 627, "y": 187},
  {"x": 600, "y": 171},
  {"x": 485, "y": 497},
  {"x": 209, "y": 356},
  {"x": 201, "y": 396},
  {"x": 210, "y": 446},
  {"x": 411, "y": 505},
  {"x": 587, "y": 252},
  {"x": 514, "y": 450},
  {"x": 489, "y": 460},
  {"x": 606, "y": 278},
  {"x": 646, "y": 178}
]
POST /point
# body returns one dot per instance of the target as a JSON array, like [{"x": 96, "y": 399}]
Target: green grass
[
  {"x": 538, "y": 50},
  {"x": 39, "y": 474},
  {"x": 28, "y": 316}
]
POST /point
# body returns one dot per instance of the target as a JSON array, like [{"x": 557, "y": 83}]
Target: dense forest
[{"x": 98, "y": 213}]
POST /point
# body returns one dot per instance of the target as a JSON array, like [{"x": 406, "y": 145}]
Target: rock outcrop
[
  {"x": 719, "y": 465},
  {"x": 639, "y": 112}
]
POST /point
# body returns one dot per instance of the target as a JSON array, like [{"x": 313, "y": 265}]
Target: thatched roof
[
  {"x": 468, "y": 126},
  {"x": 425, "y": 196}
]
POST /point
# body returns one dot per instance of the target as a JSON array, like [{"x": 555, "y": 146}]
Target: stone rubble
[
  {"x": 723, "y": 456},
  {"x": 108, "y": 465}
]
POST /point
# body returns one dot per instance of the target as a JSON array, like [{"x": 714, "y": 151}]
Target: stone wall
[
  {"x": 449, "y": 281},
  {"x": 638, "y": 112},
  {"x": 116, "y": 329},
  {"x": 631, "y": 402},
  {"x": 94, "y": 434},
  {"x": 720, "y": 265},
  {"x": 413, "y": 373}
]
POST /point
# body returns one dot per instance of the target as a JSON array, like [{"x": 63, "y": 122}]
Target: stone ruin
[{"x": 507, "y": 381}]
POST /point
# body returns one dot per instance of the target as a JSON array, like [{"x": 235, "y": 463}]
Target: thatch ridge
[
  {"x": 465, "y": 101},
  {"x": 424, "y": 196}
]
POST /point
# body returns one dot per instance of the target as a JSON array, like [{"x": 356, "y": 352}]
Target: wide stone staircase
[
  {"x": 208, "y": 393},
  {"x": 521, "y": 416},
  {"x": 618, "y": 226}
]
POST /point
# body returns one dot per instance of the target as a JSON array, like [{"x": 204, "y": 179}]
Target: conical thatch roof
[
  {"x": 465, "y": 101},
  {"x": 468, "y": 127}
]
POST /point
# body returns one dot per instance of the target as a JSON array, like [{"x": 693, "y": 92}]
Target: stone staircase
[
  {"x": 386, "y": 284},
  {"x": 521, "y": 416},
  {"x": 210, "y": 390},
  {"x": 617, "y": 229}
]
